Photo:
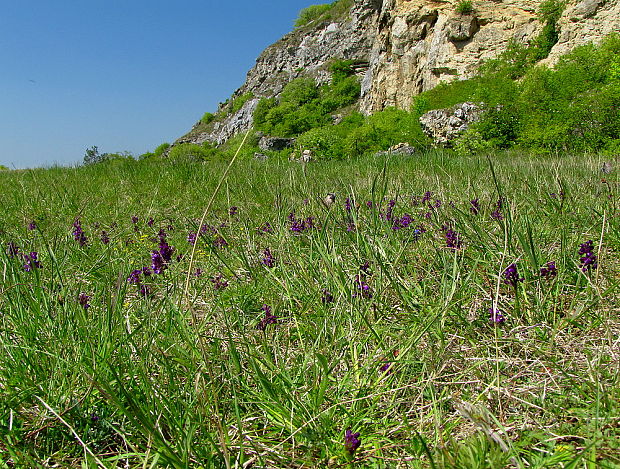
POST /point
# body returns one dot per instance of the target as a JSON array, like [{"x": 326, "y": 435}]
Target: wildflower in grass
[
  {"x": 232, "y": 211},
  {"x": 12, "y": 249},
  {"x": 191, "y": 238},
  {"x": 497, "y": 215},
  {"x": 511, "y": 275},
  {"x": 428, "y": 215},
  {"x": 351, "y": 227},
  {"x": 165, "y": 250},
  {"x": 218, "y": 282},
  {"x": 32, "y": 261},
  {"x": 365, "y": 267},
  {"x": 386, "y": 368},
  {"x": 588, "y": 259},
  {"x": 84, "y": 299},
  {"x": 150, "y": 221},
  {"x": 134, "y": 276},
  {"x": 347, "y": 204},
  {"x": 157, "y": 262},
  {"x": 402, "y": 222},
  {"x": 363, "y": 287},
  {"x": 351, "y": 441},
  {"x": 389, "y": 213},
  {"x": 306, "y": 201},
  {"x": 204, "y": 229},
  {"x": 427, "y": 196},
  {"x": 327, "y": 297},
  {"x": 198, "y": 272},
  {"x": 144, "y": 290},
  {"x": 496, "y": 317},
  {"x": 297, "y": 226},
  {"x": 549, "y": 270},
  {"x": 267, "y": 319},
  {"x": 268, "y": 259},
  {"x": 475, "y": 206},
  {"x": 78, "y": 233},
  {"x": 453, "y": 239},
  {"x": 369, "y": 204},
  {"x": 105, "y": 239},
  {"x": 437, "y": 203},
  {"x": 220, "y": 242},
  {"x": 265, "y": 228},
  {"x": 32, "y": 226},
  {"x": 134, "y": 219}
]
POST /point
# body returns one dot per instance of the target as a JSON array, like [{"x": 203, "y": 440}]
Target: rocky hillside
[{"x": 403, "y": 47}]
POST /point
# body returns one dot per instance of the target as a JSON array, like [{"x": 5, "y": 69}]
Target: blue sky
[{"x": 124, "y": 75}]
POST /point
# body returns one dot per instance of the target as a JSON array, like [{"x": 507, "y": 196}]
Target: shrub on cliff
[
  {"x": 325, "y": 12},
  {"x": 311, "y": 13},
  {"x": 302, "y": 106}
]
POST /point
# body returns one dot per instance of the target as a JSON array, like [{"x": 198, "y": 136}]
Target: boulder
[
  {"x": 401, "y": 149},
  {"x": 444, "y": 125},
  {"x": 462, "y": 28},
  {"x": 260, "y": 156},
  {"x": 275, "y": 143},
  {"x": 306, "y": 156}
]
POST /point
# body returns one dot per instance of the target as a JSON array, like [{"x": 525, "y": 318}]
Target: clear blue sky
[{"x": 124, "y": 75}]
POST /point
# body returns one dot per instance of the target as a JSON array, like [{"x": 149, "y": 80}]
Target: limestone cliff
[
  {"x": 419, "y": 43},
  {"x": 403, "y": 47}
]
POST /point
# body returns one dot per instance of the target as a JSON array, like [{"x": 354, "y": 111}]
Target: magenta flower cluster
[
  {"x": 78, "y": 233},
  {"x": 267, "y": 319},
  {"x": 351, "y": 441},
  {"x": 588, "y": 259},
  {"x": 31, "y": 261}
]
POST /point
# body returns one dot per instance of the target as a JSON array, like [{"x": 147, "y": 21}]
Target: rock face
[
  {"x": 275, "y": 143},
  {"x": 420, "y": 43},
  {"x": 404, "y": 47},
  {"x": 303, "y": 52},
  {"x": 400, "y": 149},
  {"x": 444, "y": 125}
]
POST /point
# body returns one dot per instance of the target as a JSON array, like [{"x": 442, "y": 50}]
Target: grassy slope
[{"x": 189, "y": 381}]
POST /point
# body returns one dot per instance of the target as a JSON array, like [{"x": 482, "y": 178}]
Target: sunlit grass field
[{"x": 442, "y": 312}]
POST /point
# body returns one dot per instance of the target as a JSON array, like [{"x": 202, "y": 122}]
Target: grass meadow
[{"x": 442, "y": 313}]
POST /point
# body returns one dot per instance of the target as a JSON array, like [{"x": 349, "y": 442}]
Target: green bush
[
  {"x": 325, "y": 142},
  {"x": 311, "y": 13},
  {"x": 325, "y": 12},
  {"x": 192, "y": 151},
  {"x": 341, "y": 69},
  {"x": 464, "y": 7},
  {"x": 161, "y": 149},
  {"x": 549, "y": 12},
  {"x": 471, "y": 142},
  {"x": 340, "y": 94},
  {"x": 238, "y": 102},
  {"x": 207, "y": 118},
  {"x": 299, "y": 91},
  {"x": 302, "y": 106},
  {"x": 384, "y": 129}
]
